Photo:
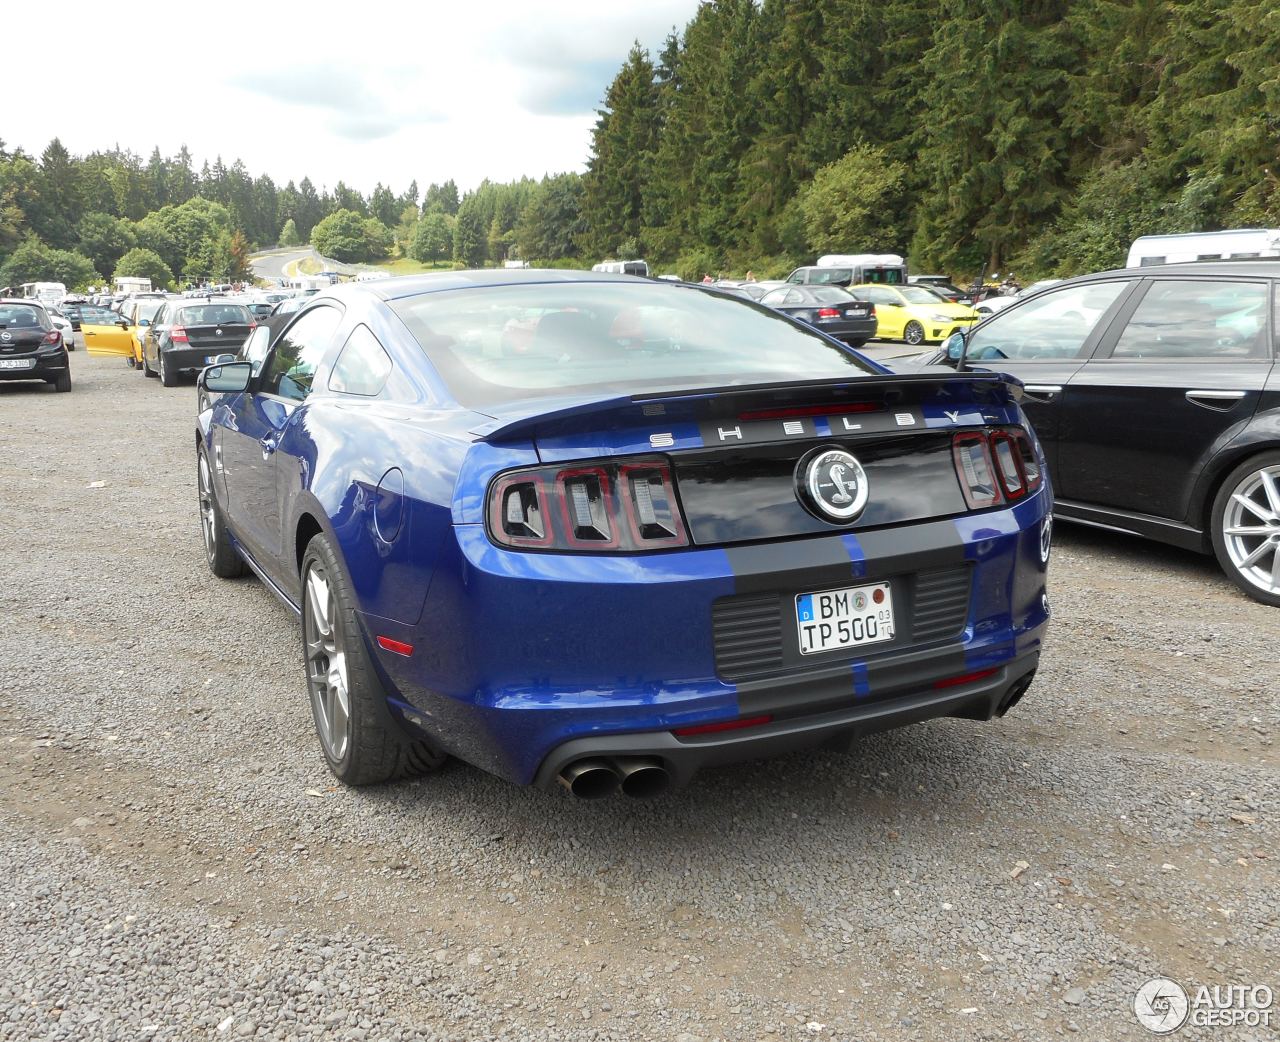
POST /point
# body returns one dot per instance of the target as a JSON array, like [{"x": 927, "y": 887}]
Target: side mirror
[
  {"x": 144, "y": 322},
  {"x": 123, "y": 323},
  {"x": 954, "y": 348},
  {"x": 226, "y": 377}
]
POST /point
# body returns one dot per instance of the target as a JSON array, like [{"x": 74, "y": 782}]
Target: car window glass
[
  {"x": 876, "y": 295},
  {"x": 1188, "y": 319},
  {"x": 255, "y": 348},
  {"x": 794, "y": 297},
  {"x": 362, "y": 366},
  {"x": 298, "y": 353},
  {"x": 774, "y": 297},
  {"x": 831, "y": 295},
  {"x": 1052, "y": 326}
]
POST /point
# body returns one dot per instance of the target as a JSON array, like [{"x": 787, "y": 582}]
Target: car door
[
  {"x": 890, "y": 314},
  {"x": 152, "y": 333},
  {"x": 1044, "y": 341},
  {"x": 1179, "y": 378},
  {"x": 107, "y": 334},
  {"x": 245, "y": 445}
]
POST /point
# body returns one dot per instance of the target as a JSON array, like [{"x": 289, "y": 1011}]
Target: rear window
[
  {"x": 536, "y": 341},
  {"x": 214, "y": 315},
  {"x": 831, "y": 295},
  {"x": 23, "y": 316}
]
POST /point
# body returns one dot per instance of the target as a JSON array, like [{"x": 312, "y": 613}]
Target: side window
[
  {"x": 362, "y": 366},
  {"x": 292, "y": 365},
  {"x": 796, "y": 276},
  {"x": 876, "y": 296},
  {"x": 1048, "y": 327},
  {"x": 794, "y": 297},
  {"x": 255, "y": 348},
  {"x": 1189, "y": 319}
]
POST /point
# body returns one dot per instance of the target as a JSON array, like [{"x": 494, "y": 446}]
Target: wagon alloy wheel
[
  {"x": 914, "y": 333},
  {"x": 327, "y": 664},
  {"x": 1251, "y": 528}
]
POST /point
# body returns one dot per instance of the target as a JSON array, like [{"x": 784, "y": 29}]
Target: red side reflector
[
  {"x": 724, "y": 725},
  {"x": 397, "y": 646},
  {"x": 967, "y": 678}
]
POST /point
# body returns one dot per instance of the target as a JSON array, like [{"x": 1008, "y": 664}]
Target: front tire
[
  {"x": 167, "y": 376},
  {"x": 223, "y": 560},
  {"x": 913, "y": 334},
  {"x": 146, "y": 366},
  {"x": 130, "y": 362},
  {"x": 361, "y": 741},
  {"x": 1246, "y": 527}
]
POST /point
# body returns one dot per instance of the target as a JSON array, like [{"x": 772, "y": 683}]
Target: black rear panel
[
  {"x": 737, "y": 494},
  {"x": 22, "y": 329}
]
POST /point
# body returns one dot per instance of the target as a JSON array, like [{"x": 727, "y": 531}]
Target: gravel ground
[{"x": 176, "y": 862}]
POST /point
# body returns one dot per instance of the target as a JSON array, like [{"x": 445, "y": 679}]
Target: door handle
[
  {"x": 1220, "y": 401},
  {"x": 268, "y": 444},
  {"x": 1042, "y": 392}
]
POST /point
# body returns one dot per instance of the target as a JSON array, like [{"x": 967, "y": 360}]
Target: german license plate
[
  {"x": 847, "y": 618},
  {"x": 855, "y": 313},
  {"x": 17, "y": 363}
]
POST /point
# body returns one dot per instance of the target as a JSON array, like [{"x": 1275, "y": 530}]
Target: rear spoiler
[{"x": 712, "y": 402}]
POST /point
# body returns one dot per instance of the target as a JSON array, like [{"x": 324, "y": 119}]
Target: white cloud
[{"x": 358, "y": 92}]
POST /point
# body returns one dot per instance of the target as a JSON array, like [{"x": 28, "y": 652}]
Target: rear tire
[
  {"x": 913, "y": 334},
  {"x": 167, "y": 376},
  {"x": 223, "y": 560},
  {"x": 63, "y": 382},
  {"x": 362, "y": 742},
  {"x": 1246, "y": 540}
]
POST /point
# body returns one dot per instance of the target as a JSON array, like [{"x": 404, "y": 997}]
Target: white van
[
  {"x": 630, "y": 267},
  {"x": 1182, "y": 248},
  {"x": 45, "y": 292},
  {"x": 853, "y": 269}
]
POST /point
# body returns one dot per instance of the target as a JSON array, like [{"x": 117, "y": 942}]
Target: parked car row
[{"x": 31, "y": 346}]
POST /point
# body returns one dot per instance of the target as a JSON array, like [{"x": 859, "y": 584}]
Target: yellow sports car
[
  {"x": 141, "y": 313},
  {"x": 106, "y": 332},
  {"x": 914, "y": 313}
]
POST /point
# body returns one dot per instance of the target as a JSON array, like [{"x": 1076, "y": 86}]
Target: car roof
[
  {"x": 30, "y": 301},
  {"x": 414, "y": 285},
  {"x": 1239, "y": 268}
]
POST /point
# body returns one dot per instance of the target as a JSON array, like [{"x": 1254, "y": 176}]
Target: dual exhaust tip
[{"x": 636, "y": 776}]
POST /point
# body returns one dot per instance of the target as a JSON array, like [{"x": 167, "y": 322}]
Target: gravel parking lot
[{"x": 177, "y": 863}]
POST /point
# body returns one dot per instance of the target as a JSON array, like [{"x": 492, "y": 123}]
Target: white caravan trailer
[{"x": 1237, "y": 244}]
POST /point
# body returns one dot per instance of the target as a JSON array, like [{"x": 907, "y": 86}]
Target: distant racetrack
[{"x": 280, "y": 264}]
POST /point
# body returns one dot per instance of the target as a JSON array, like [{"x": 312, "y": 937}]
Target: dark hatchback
[
  {"x": 835, "y": 311},
  {"x": 30, "y": 348},
  {"x": 1156, "y": 395},
  {"x": 186, "y": 336}
]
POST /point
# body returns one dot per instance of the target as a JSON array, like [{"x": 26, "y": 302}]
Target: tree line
[
  {"x": 82, "y": 220},
  {"x": 1040, "y": 134}
]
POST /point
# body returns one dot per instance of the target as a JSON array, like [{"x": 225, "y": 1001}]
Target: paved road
[
  {"x": 273, "y": 265},
  {"x": 176, "y": 860}
]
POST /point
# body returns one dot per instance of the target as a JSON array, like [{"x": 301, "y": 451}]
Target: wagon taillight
[{"x": 599, "y": 507}]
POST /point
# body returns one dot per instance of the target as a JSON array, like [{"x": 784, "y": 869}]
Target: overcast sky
[{"x": 362, "y": 91}]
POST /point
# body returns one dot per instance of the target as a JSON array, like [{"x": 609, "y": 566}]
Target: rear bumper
[
  {"x": 844, "y": 329},
  {"x": 48, "y": 367},
  {"x": 528, "y": 654},
  {"x": 191, "y": 359},
  {"x": 838, "y": 730}
]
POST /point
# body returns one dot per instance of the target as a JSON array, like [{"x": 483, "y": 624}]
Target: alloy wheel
[
  {"x": 327, "y": 664},
  {"x": 1251, "y": 529},
  {"x": 207, "y": 518},
  {"x": 914, "y": 333}
]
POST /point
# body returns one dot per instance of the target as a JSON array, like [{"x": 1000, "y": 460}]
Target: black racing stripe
[
  {"x": 911, "y": 548},
  {"x": 913, "y": 671},
  {"x": 795, "y": 565}
]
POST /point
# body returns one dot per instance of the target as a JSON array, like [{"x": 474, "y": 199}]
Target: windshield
[
  {"x": 838, "y": 276},
  {"x": 507, "y": 343},
  {"x": 918, "y": 295},
  {"x": 148, "y": 310}
]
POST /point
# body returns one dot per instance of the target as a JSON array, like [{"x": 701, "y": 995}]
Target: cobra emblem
[{"x": 841, "y": 496}]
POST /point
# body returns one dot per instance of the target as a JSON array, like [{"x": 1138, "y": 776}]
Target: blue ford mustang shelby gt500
[{"x": 600, "y": 531}]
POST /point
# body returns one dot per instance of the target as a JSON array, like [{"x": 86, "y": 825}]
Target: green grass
[{"x": 409, "y": 266}]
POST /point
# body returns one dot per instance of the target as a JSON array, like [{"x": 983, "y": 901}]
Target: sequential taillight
[
  {"x": 597, "y": 507},
  {"x": 995, "y": 466}
]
